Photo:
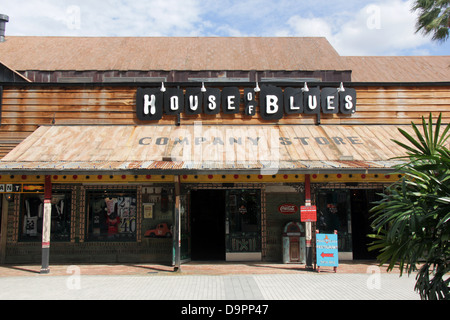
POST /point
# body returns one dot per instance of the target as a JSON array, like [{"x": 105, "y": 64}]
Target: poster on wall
[
  {"x": 148, "y": 210},
  {"x": 126, "y": 211},
  {"x": 287, "y": 208}
]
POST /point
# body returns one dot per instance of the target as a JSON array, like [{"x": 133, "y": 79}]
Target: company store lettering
[
  {"x": 274, "y": 102},
  {"x": 252, "y": 141}
]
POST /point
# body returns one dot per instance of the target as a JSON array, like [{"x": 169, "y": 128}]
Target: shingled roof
[
  {"x": 399, "y": 69},
  {"x": 168, "y": 53},
  {"x": 212, "y": 54}
]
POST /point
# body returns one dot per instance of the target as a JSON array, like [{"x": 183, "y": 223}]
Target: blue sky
[{"x": 378, "y": 27}]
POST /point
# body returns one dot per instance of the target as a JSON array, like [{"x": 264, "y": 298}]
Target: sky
[{"x": 353, "y": 27}]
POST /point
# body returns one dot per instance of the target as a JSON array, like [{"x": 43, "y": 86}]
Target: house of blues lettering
[{"x": 152, "y": 103}]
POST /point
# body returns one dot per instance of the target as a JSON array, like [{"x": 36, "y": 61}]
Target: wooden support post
[{"x": 46, "y": 228}]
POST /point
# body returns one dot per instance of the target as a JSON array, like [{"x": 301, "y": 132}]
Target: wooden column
[{"x": 46, "y": 228}]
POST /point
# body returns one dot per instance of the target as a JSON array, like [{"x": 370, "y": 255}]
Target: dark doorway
[
  {"x": 361, "y": 202},
  {"x": 208, "y": 225}
]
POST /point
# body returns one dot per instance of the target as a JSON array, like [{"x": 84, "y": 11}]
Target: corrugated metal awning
[{"x": 197, "y": 148}]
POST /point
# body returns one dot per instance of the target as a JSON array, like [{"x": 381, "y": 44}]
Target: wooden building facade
[{"x": 128, "y": 187}]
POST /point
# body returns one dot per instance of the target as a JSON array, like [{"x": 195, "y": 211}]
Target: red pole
[
  {"x": 308, "y": 229},
  {"x": 307, "y": 189},
  {"x": 46, "y": 224}
]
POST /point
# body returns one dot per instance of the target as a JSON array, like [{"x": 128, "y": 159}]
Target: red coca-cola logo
[{"x": 287, "y": 208}]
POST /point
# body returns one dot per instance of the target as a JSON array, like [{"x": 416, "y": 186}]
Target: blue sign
[{"x": 327, "y": 250}]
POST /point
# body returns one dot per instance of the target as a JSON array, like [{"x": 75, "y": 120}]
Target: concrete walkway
[
  {"x": 198, "y": 287},
  {"x": 205, "y": 281}
]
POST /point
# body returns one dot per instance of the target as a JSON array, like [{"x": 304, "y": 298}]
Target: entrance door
[
  {"x": 361, "y": 203},
  {"x": 243, "y": 224},
  {"x": 208, "y": 225}
]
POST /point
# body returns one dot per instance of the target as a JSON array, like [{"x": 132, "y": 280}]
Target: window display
[
  {"x": 32, "y": 213},
  {"x": 111, "y": 215}
]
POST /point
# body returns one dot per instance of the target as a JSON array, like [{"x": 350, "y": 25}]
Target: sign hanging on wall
[
  {"x": 274, "y": 102},
  {"x": 21, "y": 188},
  {"x": 287, "y": 208}
]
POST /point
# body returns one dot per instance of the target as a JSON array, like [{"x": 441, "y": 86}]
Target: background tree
[
  {"x": 411, "y": 222},
  {"x": 434, "y": 18}
]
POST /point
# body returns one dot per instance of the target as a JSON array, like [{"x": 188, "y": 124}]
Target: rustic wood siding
[{"x": 26, "y": 108}]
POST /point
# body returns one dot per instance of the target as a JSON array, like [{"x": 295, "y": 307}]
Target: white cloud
[
  {"x": 310, "y": 27},
  {"x": 32, "y": 15},
  {"x": 385, "y": 28},
  {"x": 102, "y": 18},
  {"x": 381, "y": 28},
  {"x": 227, "y": 30}
]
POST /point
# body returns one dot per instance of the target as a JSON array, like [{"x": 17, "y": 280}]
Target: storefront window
[
  {"x": 334, "y": 213},
  {"x": 111, "y": 215},
  {"x": 32, "y": 213}
]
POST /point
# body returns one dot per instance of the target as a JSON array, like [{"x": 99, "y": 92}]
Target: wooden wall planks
[{"x": 24, "y": 109}]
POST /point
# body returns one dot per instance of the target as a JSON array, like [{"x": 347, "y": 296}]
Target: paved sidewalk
[
  {"x": 198, "y": 287},
  {"x": 204, "y": 281}
]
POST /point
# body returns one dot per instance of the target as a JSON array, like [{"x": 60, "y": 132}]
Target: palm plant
[
  {"x": 411, "y": 222},
  {"x": 434, "y": 18}
]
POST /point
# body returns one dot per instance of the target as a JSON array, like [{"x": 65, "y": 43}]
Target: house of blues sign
[{"x": 152, "y": 103}]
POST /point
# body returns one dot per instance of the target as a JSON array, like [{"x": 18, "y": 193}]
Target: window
[
  {"x": 32, "y": 213},
  {"x": 333, "y": 213},
  {"x": 134, "y": 79},
  {"x": 111, "y": 215},
  {"x": 219, "y": 79}
]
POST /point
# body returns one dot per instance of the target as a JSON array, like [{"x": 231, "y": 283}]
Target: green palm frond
[
  {"x": 434, "y": 18},
  {"x": 411, "y": 222}
]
